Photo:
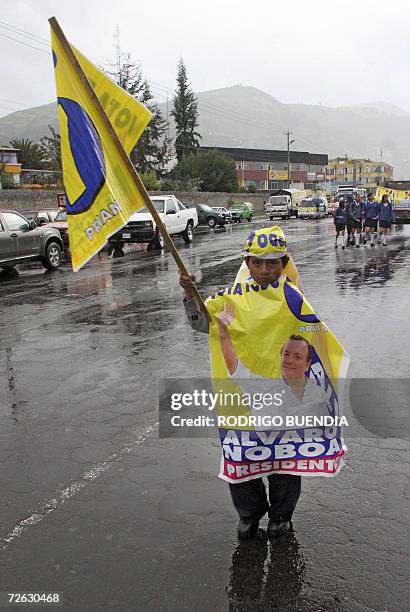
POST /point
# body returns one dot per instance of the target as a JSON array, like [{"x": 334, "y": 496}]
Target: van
[{"x": 313, "y": 208}]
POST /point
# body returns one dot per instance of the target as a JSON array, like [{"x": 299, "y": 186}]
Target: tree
[
  {"x": 185, "y": 114},
  {"x": 29, "y": 154},
  {"x": 215, "y": 171},
  {"x": 50, "y": 147},
  {"x": 152, "y": 149}
]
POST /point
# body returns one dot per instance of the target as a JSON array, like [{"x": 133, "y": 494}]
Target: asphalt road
[{"x": 95, "y": 506}]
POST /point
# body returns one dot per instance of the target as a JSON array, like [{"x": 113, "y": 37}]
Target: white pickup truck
[{"x": 141, "y": 226}]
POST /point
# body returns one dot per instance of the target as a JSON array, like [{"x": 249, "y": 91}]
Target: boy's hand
[
  {"x": 226, "y": 316},
  {"x": 188, "y": 283}
]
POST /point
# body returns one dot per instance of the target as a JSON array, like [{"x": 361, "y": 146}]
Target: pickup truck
[
  {"x": 241, "y": 211},
  {"x": 21, "y": 241},
  {"x": 141, "y": 227}
]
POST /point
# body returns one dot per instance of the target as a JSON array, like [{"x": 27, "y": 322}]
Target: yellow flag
[{"x": 101, "y": 193}]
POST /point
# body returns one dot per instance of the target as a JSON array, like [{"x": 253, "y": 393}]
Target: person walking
[
  {"x": 340, "y": 220},
  {"x": 386, "y": 218},
  {"x": 249, "y": 497},
  {"x": 349, "y": 222},
  {"x": 356, "y": 215},
  {"x": 371, "y": 215}
]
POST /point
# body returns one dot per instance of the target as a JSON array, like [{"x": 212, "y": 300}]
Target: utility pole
[{"x": 288, "y": 134}]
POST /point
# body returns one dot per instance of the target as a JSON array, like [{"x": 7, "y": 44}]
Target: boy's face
[{"x": 264, "y": 270}]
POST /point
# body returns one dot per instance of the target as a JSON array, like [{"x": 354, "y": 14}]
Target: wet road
[{"x": 95, "y": 506}]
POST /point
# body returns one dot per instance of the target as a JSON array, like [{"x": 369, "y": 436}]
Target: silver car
[{"x": 21, "y": 240}]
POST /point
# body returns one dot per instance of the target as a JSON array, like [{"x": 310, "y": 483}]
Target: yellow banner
[
  {"x": 278, "y": 175},
  {"x": 395, "y": 194},
  {"x": 277, "y": 371},
  {"x": 101, "y": 193}
]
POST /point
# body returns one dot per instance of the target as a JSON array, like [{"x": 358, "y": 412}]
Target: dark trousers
[{"x": 251, "y": 503}]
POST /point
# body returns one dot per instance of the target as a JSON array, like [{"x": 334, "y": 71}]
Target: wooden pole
[{"x": 122, "y": 153}]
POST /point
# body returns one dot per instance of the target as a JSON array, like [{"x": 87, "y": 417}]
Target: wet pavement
[{"x": 95, "y": 506}]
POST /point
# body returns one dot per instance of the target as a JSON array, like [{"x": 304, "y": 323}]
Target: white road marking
[{"x": 63, "y": 495}]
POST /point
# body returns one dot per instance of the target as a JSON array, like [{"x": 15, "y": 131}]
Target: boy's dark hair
[
  {"x": 341, "y": 203},
  {"x": 369, "y": 195},
  {"x": 297, "y": 337}
]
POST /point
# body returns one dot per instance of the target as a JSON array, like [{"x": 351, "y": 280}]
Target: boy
[{"x": 249, "y": 497}]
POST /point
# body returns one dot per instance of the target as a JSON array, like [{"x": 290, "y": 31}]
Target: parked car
[
  {"x": 313, "y": 208},
  {"x": 242, "y": 211},
  {"x": 227, "y": 215},
  {"x": 61, "y": 224},
  {"x": 141, "y": 227},
  {"x": 207, "y": 215},
  {"x": 21, "y": 240},
  {"x": 41, "y": 217}
]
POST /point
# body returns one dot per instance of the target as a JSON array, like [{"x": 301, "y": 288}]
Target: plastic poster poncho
[
  {"x": 100, "y": 191},
  {"x": 267, "y": 340}
]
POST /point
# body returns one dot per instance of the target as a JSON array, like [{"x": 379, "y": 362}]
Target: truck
[
  {"x": 141, "y": 227},
  {"x": 242, "y": 211},
  {"x": 399, "y": 194},
  {"x": 346, "y": 190},
  {"x": 284, "y": 203}
]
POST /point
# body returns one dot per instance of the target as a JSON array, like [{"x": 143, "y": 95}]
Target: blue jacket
[
  {"x": 340, "y": 216},
  {"x": 386, "y": 213},
  {"x": 356, "y": 211},
  {"x": 371, "y": 210}
]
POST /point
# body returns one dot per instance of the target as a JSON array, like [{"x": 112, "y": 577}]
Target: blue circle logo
[{"x": 86, "y": 149}]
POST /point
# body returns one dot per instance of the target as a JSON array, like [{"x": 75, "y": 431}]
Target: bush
[{"x": 150, "y": 180}]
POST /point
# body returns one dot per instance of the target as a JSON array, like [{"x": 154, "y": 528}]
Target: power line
[
  {"x": 15, "y": 30},
  {"x": 24, "y": 43}
]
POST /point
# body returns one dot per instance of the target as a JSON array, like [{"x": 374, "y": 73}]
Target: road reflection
[{"x": 272, "y": 575}]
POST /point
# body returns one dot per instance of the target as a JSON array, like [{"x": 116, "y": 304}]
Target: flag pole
[{"x": 122, "y": 153}]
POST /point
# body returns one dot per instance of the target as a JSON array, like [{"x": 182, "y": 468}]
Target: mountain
[
  {"x": 385, "y": 107},
  {"x": 31, "y": 123},
  {"x": 242, "y": 116}
]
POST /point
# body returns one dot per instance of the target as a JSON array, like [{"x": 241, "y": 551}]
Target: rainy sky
[{"x": 312, "y": 52}]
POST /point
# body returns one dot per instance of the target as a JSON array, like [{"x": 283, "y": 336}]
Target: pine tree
[
  {"x": 152, "y": 149},
  {"x": 185, "y": 114}
]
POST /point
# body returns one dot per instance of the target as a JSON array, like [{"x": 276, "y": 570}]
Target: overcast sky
[{"x": 340, "y": 53}]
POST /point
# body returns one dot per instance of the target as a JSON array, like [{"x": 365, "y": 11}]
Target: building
[
  {"x": 9, "y": 168},
  {"x": 357, "y": 172},
  {"x": 268, "y": 169}
]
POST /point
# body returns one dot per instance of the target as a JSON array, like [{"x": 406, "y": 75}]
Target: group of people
[{"x": 358, "y": 219}]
